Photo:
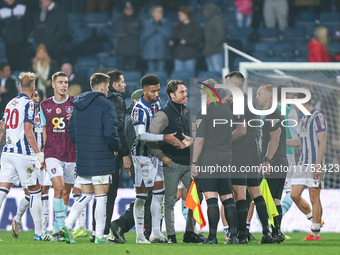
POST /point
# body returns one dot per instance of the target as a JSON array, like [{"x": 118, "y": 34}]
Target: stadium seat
[
  {"x": 171, "y": 16},
  {"x": 144, "y": 16},
  {"x": 75, "y": 19},
  {"x": 294, "y": 34},
  {"x": 239, "y": 33},
  {"x": 268, "y": 34},
  {"x": 277, "y": 59},
  {"x": 106, "y": 33},
  {"x": 132, "y": 76},
  {"x": 115, "y": 15},
  {"x": 199, "y": 17},
  {"x": 209, "y": 75},
  {"x": 2, "y": 50},
  {"x": 82, "y": 34},
  {"x": 130, "y": 88},
  {"x": 285, "y": 50},
  {"x": 236, "y": 63},
  {"x": 300, "y": 59},
  {"x": 302, "y": 50},
  {"x": 109, "y": 62},
  {"x": 96, "y": 19},
  {"x": 219, "y": 3},
  {"x": 86, "y": 62},
  {"x": 306, "y": 19},
  {"x": 228, "y": 18},
  {"x": 334, "y": 48},
  {"x": 261, "y": 50},
  {"x": 329, "y": 18},
  {"x": 182, "y": 75}
]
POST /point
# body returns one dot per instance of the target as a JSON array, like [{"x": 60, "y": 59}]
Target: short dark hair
[
  {"x": 172, "y": 86},
  {"x": 3, "y": 65},
  {"x": 303, "y": 95},
  {"x": 149, "y": 80},
  {"x": 97, "y": 79},
  {"x": 114, "y": 76},
  {"x": 58, "y": 74},
  {"x": 236, "y": 74}
]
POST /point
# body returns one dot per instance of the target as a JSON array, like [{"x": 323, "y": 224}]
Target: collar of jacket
[
  {"x": 113, "y": 92},
  {"x": 181, "y": 109}
]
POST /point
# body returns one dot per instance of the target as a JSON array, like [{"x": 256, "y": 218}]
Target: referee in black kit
[
  {"x": 274, "y": 153},
  {"x": 212, "y": 148},
  {"x": 244, "y": 149}
]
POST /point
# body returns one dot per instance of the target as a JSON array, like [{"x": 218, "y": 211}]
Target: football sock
[
  {"x": 213, "y": 217},
  {"x": 310, "y": 216},
  {"x": 65, "y": 210},
  {"x": 225, "y": 230},
  {"x": 286, "y": 203},
  {"x": 242, "y": 212},
  {"x": 230, "y": 212},
  {"x": 100, "y": 215},
  {"x": 45, "y": 210},
  {"x": 35, "y": 209},
  {"x": 3, "y": 194},
  {"x": 77, "y": 208},
  {"x": 59, "y": 212},
  {"x": 316, "y": 229},
  {"x": 156, "y": 211},
  {"x": 23, "y": 205},
  {"x": 138, "y": 213},
  {"x": 278, "y": 219},
  {"x": 261, "y": 209},
  {"x": 184, "y": 210}
]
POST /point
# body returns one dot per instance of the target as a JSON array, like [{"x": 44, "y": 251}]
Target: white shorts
[
  {"x": 17, "y": 167},
  {"x": 45, "y": 178},
  {"x": 291, "y": 164},
  {"x": 77, "y": 183},
  {"x": 303, "y": 176},
  {"x": 55, "y": 168},
  {"x": 95, "y": 180},
  {"x": 148, "y": 170}
]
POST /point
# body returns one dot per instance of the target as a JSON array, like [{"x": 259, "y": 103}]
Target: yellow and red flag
[{"x": 193, "y": 202}]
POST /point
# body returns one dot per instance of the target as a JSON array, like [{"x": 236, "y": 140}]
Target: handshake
[{"x": 171, "y": 139}]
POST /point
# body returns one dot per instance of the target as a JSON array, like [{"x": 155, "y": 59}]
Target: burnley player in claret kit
[{"x": 60, "y": 153}]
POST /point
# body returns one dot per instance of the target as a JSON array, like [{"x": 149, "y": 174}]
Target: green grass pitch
[{"x": 329, "y": 244}]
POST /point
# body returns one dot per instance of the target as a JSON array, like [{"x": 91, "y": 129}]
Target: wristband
[{"x": 266, "y": 159}]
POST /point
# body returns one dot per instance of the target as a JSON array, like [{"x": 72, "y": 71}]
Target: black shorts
[
  {"x": 220, "y": 185},
  {"x": 247, "y": 161},
  {"x": 276, "y": 180}
]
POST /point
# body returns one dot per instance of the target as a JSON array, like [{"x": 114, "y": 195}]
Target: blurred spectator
[
  {"x": 128, "y": 28},
  {"x": 74, "y": 80},
  {"x": 213, "y": 38},
  {"x": 186, "y": 39},
  {"x": 8, "y": 88},
  {"x": 275, "y": 11},
  {"x": 155, "y": 37},
  {"x": 318, "y": 50},
  {"x": 76, "y": 83},
  {"x": 16, "y": 24},
  {"x": 93, "y": 5},
  {"x": 44, "y": 68},
  {"x": 243, "y": 12},
  {"x": 51, "y": 28}
]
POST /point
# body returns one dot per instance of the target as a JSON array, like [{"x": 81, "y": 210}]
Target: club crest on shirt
[
  {"x": 49, "y": 110},
  {"x": 155, "y": 110},
  {"x": 69, "y": 109},
  {"x": 58, "y": 110},
  {"x": 53, "y": 170}
]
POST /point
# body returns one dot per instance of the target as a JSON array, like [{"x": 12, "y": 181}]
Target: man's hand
[
  {"x": 115, "y": 153},
  {"x": 68, "y": 116},
  {"x": 166, "y": 161},
  {"x": 193, "y": 171},
  {"x": 41, "y": 160},
  {"x": 127, "y": 164},
  {"x": 265, "y": 168},
  {"x": 186, "y": 142},
  {"x": 171, "y": 139}
]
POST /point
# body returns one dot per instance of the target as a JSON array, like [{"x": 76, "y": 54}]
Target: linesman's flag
[
  {"x": 193, "y": 202},
  {"x": 271, "y": 207}
]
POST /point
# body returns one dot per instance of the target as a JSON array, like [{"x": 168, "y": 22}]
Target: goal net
[{"x": 323, "y": 80}]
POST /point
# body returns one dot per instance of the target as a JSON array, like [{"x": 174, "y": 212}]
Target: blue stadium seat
[
  {"x": 182, "y": 75},
  {"x": 329, "y": 18},
  {"x": 268, "y": 34},
  {"x": 110, "y": 63},
  {"x": 209, "y": 75},
  {"x": 115, "y": 15},
  {"x": 75, "y": 19},
  {"x": 86, "y": 66},
  {"x": 2, "y": 49},
  {"x": 261, "y": 50},
  {"x": 144, "y": 15},
  {"x": 171, "y": 16},
  {"x": 162, "y": 76},
  {"x": 302, "y": 50},
  {"x": 306, "y": 19},
  {"x": 106, "y": 32},
  {"x": 277, "y": 59},
  {"x": 236, "y": 63},
  {"x": 228, "y": 18},
  {"x": 334, "y": 48},
  {"x": 199, "y": 17},
  {"x": 82, "y": 34},
  {"x": 310, "y": 32},
  {"x": 96, "y": 19},
  {"x": 132, "y": 76},
  {"x": 219, "y": 3},
  {"x": 285, "y": 50},
  {"x": 300, "y": 59},
  {"x": 294, "y": 34},
  {"x": 130, "y": 88}
]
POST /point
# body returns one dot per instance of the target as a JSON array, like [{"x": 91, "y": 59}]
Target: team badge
[
  {"x": 58, "y": 110},
  {"x": 69, "y": 109},
  {"x": 141, "y": 165},
  {"x": 49, "y": 110},
  {"x": 53, "y": 170},
  {"x": 37, "y": 119},
  {"x": 155, "y": 110}
]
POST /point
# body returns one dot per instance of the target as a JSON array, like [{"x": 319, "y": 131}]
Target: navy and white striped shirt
[
  {"x": 38, "y": 131},
  {"x": 309, "y": 127}
]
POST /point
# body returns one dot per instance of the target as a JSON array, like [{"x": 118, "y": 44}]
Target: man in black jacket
[
  {"x": 16, "y": 23},
  {"x": 116, "y": 89},
  {"x": 51, "y": 28}
]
